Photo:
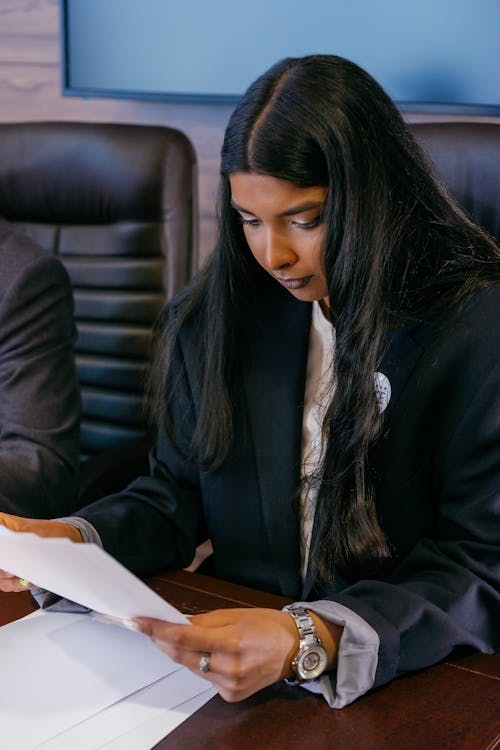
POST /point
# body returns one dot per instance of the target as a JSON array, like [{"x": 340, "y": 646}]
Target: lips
[{"x": 295, "y": 283}]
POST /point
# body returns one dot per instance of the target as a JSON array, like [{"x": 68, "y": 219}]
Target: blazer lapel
[
  {"x": 399, "y": 361},
  {"x": 275, "y": 362}
]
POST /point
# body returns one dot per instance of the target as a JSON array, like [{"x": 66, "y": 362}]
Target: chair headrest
[{"x": 466, "y": 156}]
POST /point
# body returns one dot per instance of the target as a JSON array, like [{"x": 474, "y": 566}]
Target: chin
[{"x": 308, "y": 295}]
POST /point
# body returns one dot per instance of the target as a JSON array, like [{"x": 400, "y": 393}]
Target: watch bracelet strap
[
  {"x": 305, "y": 624},
  {"x": 307, "y": 633}
]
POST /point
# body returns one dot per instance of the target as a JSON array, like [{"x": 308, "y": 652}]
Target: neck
[{"x": 325, "y": 308}]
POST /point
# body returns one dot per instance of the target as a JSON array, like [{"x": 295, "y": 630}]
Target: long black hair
[{"x": 397, "y": 249}]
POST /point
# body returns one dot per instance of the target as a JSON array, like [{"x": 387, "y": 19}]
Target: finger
[
  {"x": 169, "y": 637},
  {"x": 13, "y": 584},
  {"x": 218, "y": 617},
  {"x": 215, "y": 619},
  {"x": 232, "y": 678},
  {"x": 163, "y": 635},
  {"x": 196, "y": 637},
  {"x": 216, "y": 667},
  {"x": 191, "y": 637},
  {"x": 219, "y": 672},
  {"x": 234, "y": 675},
  {"x": 6, "y": 576}
]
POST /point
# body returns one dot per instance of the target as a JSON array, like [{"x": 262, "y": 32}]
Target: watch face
[{"x": 311, "y": 662}]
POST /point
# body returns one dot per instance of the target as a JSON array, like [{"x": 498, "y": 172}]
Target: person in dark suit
[
  {"x": 39, "y": 396},
  {"x": 327, "y": 393}
]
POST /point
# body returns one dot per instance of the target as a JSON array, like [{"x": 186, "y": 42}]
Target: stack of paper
[{"x": 74, "y": 681}]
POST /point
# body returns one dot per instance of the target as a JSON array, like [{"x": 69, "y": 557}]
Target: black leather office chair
[
  {"x": 467, "y": 158},
  {"x": 117, "y": 204}
]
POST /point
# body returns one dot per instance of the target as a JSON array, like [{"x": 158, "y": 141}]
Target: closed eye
[
  {"x": 308, "y": 224},
  {"x": 249, "y": 222},
  {"x": 303, "y": 225}
]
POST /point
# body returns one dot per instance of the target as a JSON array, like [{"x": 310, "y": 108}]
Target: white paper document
[
  {"x": 83, "y": 573},
  {"x": 74, "y": 680},
  {"x": 69, "y": 681},
  {"x": 139, "y": 721}
]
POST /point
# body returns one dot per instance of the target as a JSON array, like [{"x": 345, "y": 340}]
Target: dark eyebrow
[{"x": 300, "y": 208}]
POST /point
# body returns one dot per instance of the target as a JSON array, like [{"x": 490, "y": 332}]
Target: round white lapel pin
[{"x": 382, "y": 390}]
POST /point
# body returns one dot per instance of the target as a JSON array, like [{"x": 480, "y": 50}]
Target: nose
[{"x": 278, "y": 252}]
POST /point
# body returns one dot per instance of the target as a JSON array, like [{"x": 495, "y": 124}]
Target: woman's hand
[
  {"x": 10, "y": 582},
  {"x": 247, "y": 649}
]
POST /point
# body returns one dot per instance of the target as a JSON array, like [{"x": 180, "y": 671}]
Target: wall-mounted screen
[{"x": 430, "y": 55}]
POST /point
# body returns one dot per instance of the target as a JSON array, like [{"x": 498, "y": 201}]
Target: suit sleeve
[
  {"x": 159, "y": 516},
  {"x": 445, "y": 593},
  {"x": 39, "y": 398}
]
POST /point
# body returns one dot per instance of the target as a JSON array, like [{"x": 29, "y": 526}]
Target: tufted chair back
[
  {"x": 116, "y": 203},
  {"x": 467, "y": 158}
]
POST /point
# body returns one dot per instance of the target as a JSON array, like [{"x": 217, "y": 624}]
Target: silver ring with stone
[{"x": 205, "y": 663}]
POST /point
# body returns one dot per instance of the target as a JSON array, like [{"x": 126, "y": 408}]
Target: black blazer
[
  {"x": 438, "y": 482},
  {"x": 39, "y": 394}
]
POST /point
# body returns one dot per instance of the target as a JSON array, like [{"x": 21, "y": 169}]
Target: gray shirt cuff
[
  {"x": 357, "y": 657},
  {"x": 48, "y": 600},
  {"x": 88, "y": 532}
]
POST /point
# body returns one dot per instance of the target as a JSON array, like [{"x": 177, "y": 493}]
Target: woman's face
[{"x": 284, "y": 228}]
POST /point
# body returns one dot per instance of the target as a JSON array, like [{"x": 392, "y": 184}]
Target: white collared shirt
[{"x": 317, "y": 396}]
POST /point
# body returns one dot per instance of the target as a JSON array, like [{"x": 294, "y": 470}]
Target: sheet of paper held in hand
[
  {"x": 82, "y": 573},
  {"x": 71, "y": 672}
]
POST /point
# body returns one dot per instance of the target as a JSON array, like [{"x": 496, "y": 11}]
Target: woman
[{"x": 326, "y": 393}]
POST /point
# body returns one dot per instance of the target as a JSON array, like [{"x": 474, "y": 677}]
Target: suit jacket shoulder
[{"x": 39, "y": 395}]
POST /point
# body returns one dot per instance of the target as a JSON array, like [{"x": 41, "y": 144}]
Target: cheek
[{"x": 312, "y": 253}]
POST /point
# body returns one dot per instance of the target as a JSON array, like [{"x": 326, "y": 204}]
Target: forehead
[{"x": 257, "y": 193}]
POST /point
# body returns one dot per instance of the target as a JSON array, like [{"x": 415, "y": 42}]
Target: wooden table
[{"x": 452, "y": 706}]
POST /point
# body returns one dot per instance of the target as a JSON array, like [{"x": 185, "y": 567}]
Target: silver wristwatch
[{"x": 311, "y": 659}]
